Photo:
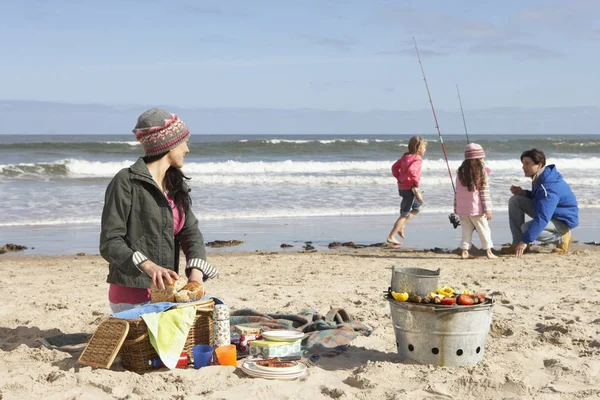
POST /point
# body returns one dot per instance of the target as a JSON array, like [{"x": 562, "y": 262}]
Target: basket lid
[
  {"x": 199, "y": 304},
  {"x": 105, "y": 344}
]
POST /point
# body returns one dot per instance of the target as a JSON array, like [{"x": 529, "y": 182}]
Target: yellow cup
[{"x": 226, "y": 355}]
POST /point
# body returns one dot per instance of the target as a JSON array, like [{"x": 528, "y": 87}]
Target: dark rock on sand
[
  {"x": 439, "y": 250},
  {"x": 11, "y": 247},
  {"x": 285, "y": 245},
  {"x": 224, "y": 243},
  {"x": 354, "y": 245},
  {"x": 309, "y": 247}
]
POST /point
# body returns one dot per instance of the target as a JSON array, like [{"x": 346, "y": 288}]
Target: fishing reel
[{"x": 454, "y": 220}]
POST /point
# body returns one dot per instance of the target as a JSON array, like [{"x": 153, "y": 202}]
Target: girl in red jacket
[{"x": 407, "y": 170}]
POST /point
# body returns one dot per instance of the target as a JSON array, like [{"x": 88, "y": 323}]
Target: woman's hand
[
  {"x": 158, "y": 274},
  {"x": 195, "y": 275},
  {"x": 488, "y": 215}
]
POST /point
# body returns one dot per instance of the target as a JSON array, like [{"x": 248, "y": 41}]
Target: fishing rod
[
  {"x": 437, "y": 126},
  {"x": 463, "y": 115}
]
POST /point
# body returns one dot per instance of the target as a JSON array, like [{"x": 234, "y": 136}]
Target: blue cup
[{"x": 202, "y": 355}]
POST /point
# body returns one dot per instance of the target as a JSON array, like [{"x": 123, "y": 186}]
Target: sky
[{"x": 331, "y": 55}]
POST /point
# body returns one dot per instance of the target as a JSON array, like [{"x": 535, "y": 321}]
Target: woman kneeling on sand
[{"x": 147, "y": 216}]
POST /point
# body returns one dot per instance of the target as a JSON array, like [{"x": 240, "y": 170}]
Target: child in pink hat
[{"x": 472, "y": 201}]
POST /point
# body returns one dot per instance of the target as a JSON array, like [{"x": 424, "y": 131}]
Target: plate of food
[
  {"x": 276, "y": 365},
  {"x": 282, "y": 335}
]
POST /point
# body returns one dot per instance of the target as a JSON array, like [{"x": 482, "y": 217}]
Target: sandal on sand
[
  {"x": 69, "y": 342},
  {"x": 338, "y": 315}
]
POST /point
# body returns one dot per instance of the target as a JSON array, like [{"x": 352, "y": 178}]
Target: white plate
[
  {"x": 280, "y": 378},
  {"x": 283, "y": 336},
  {"x": 250, "y": 369}
]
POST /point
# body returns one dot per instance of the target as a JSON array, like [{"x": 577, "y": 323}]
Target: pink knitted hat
[
  {"x": 159, "y": 131},
  {"x": 473, "y": 150}
]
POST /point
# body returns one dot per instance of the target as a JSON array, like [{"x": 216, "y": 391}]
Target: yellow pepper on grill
[
  {"x": 446, "y": 291},
  {"x": 400, "y": 296},
  {"x": 467, "y": 291},
  {"x": 434, "y": 294}
]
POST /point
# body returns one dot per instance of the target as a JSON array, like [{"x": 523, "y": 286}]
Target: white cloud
[
  {"x": 517, "y": 49},
  {"x": 436, "y": 23},
  {"x": 574, "y": 17},
  {"x": 412, "y": 52},
  {"x": 342, "y": 44},
  {"x": 215, "y": 62}
]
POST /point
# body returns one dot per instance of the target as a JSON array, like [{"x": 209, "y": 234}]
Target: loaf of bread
[
  {"x": 159, "y": 295},
  {"x": 180, "y": 291},
  {"x": 191, "y": 292}
]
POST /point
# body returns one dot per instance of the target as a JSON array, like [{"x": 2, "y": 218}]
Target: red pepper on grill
[{"x": 465, "y": 300}]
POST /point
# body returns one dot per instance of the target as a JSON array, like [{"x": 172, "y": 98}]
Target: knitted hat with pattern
[
  {"x": 473, "y": 150},
  {"x": 159, "y": 131}
]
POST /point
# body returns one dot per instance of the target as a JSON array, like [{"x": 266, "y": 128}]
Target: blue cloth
[
  {"x": 552, "y": 198},
  {"x": 137, "y": 312}
]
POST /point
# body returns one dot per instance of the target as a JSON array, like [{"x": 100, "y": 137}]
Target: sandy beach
[{"x": 544, "y": 342}]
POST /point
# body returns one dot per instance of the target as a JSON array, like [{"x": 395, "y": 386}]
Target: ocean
[{"x": 272, "y": 189}]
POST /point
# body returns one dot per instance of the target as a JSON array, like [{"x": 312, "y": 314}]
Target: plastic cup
[
  {"x": 226, "y": 355},
  {"x": 202, "y": 355}
]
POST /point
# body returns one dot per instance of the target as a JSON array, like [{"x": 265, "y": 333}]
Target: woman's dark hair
[
  {"x": 175, "y": 184},
  {"x": 471, "y": 174},
  {"x": 537, "y": 156}
]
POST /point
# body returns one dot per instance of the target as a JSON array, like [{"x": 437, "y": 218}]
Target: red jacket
[{"x": 407, "y": 171}]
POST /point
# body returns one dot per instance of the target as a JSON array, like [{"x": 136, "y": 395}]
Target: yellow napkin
[{"x": 168, "y": 332}]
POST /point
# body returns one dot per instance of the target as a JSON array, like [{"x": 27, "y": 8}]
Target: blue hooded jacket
[{"x": 552, "y": 198}]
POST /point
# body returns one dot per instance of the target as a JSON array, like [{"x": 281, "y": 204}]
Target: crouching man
[{"x": 550, "y": 203}]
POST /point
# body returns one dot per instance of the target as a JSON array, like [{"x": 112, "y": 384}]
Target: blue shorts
[{"x": 409, "y": 202}]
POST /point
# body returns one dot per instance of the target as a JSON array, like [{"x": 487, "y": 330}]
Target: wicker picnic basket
[{"x": 137, "y": 351}]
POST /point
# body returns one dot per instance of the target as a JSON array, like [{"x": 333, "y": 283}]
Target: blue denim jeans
[
  {"x": 518, "y": 207},
  {"x": 409, "y": 202}
]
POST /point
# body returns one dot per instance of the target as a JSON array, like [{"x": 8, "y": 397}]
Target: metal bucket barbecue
[
  {"x": 441, "y": 335},
  {"x": 417, "y": 281}
]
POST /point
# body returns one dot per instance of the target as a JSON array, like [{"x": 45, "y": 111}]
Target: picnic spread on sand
[{"x": 433, "y": 324}]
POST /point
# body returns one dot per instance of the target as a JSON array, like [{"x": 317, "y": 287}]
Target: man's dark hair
[{"x": 537, "y": 156}]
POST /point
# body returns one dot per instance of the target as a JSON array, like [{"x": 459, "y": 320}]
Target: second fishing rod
[{"x": 454, "y": 220}]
